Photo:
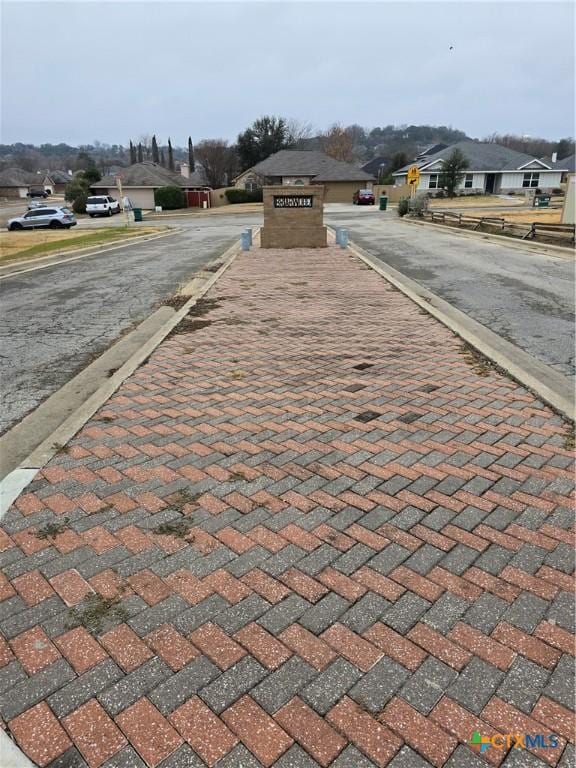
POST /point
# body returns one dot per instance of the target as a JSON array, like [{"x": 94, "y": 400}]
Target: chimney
[
  {"x": 554, "y": 156},
  {"x": 185, "y": 170}
]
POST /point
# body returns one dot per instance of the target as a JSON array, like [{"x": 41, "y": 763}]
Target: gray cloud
[{"x": 79, "y": 71}]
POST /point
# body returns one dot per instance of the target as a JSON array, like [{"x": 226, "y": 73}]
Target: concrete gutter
[
  {"x": 550, "y": 386},
  {"x": 28, "y": 446},
  {"x": 59, "y": 257},
  {"x": 528, "y": 245}
]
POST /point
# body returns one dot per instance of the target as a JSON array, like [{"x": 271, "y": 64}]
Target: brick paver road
[{"x": 312, "y": 530}]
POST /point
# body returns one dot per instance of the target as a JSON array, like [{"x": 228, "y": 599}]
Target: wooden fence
[{"x": 558, "y": 234}]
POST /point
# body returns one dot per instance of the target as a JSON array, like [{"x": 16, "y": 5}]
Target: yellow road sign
[{"x": 413, "y": 176}]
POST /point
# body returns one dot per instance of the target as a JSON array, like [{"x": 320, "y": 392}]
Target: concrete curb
[
  {"x": 550, "y": 386},
  {"x": 20, "y": 476},
  {"x": 528, "y": 245},
  {"x": 10, "y": 754},
  {"x": 75, "y": 254}
]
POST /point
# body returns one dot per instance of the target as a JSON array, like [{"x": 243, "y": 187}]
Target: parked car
[
  {"x": 363, "y": 197},
  {"x": 103, "y": 205},
  {"x": 35, "y": 204},
  {"x": 57, "y": 217},
  {"x": 38, "y": 193}
]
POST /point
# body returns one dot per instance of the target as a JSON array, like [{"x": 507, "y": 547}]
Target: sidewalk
[{"x": 312, "y": 530}]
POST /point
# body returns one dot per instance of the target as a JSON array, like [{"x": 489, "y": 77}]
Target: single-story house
[
  {"x": 59, "y": 180},
  {"x": 297, "y": 167},
  {"x": 492, "y": 169},
  {"x": 14, "y": 182},
  {"x": 141, "y": 180},
  {"x": 568, "y": 165}
]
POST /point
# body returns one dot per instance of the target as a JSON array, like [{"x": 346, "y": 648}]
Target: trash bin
[
  {"x": 137, "y": 214},
  {"x": 383, "y": 202}
]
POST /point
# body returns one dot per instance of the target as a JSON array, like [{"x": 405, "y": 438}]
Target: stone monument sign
[{"x": 293, "y": 217}]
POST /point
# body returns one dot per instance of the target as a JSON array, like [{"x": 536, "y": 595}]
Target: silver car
[{"x": 55, "y": 217}]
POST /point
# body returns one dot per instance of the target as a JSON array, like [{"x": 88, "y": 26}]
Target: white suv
[{"x": 102, "y": 206}]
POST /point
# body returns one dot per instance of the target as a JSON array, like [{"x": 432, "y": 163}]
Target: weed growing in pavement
[
  {"x": 181, "y": 498},
  {"x": 176, "y": 301},
  {"x": 481, "y": 365},
  {"x": 238, "y": 476},
  {"x": 105, "y": 419},
  {"x": 51, "y": 530},
  {"x": 178, "y": 528},
  {"x": 203, "y": 306},
  {"x": 570, "y": 438},
  {"x": 111, "y": 372},
  {"x": 186, "y": 325},
  {"x": 59, "y": 448},
  {"x": 95, "y": 610},
  {"x": 238, "y": 374}
]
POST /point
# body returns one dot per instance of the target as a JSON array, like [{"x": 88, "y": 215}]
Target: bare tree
[
  {"x": 338, "y": 142},
  {"x": 217, "y": 160},
  {"x": 298, "y": 131}
]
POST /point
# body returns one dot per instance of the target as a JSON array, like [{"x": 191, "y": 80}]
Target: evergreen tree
[
  {"x": 170, "y": 155},
  {"x": 132, "y": 153},
  {"x": 453, "y": 169},
  {"x": 155, "y": 153},
  {"x": 140, "y": 155},
  {"x": 162, "y": 159},
  {"x": 265, "y": 136},
  {"x": 191, "y": 162}
]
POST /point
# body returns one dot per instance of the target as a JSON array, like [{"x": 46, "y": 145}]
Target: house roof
[
  {"x": 482, "y": 157},
  {"x": 567, "y": 163},
  {"x": 149, "y": 174},
  {"x": 16, "y": 177},
  {"x": 59, "y": 177},
  {"x": 302, "y": 162},
  {"x": 373, "y": 166}
]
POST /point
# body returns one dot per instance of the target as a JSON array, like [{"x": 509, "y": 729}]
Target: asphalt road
[
  {"x": 523, "y": 296},
  {"x": 54, "y": 321}
]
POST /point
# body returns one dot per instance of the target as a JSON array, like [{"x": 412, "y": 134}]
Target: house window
[
  {"x": 531, "y": 180},
  {"x": 433, "y": 181},
  {"x": 468, "y": 179},
  {"x": 250, "y": 186}
]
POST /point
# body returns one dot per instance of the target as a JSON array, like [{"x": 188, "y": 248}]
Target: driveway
[
  {"x": 524, "y": 296},
  {"x": 56, "y": 320}
]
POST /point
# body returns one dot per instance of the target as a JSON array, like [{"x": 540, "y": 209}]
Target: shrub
[
  {"x": 538, "y": 191},
  {"x": 170, "y": 198},
  {"x": 403, "y": 206},
  {"x": 235, "y": 196},
  {"x": 76, "y": 188},
  {"x": 440, "y": 194},
  {"x": 79, "y": 204},
  {"x": 511, "y": 192},
  {"x": 557, "y": 191},
  {"x": 419, "y": 205}
]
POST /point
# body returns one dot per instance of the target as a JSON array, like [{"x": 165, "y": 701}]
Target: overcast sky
[{"x": 78, "y": 71}]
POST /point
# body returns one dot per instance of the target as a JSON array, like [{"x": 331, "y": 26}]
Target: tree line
[{"x": 220, "y": 161}]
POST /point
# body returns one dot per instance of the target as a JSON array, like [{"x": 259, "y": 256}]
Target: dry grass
[
  {"x": 15, "y": 246},
  {"x": 527, "y": 216},
  {"x": 477, "y": 201}
]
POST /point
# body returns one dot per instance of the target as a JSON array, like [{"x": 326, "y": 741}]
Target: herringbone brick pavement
[{"x": 313, "y": 529}]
